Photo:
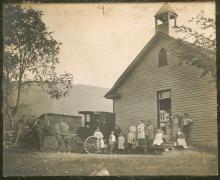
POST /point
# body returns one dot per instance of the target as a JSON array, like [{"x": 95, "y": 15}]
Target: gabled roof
[
  {"x": 110, "y": 94},
  {"x": 165, "y": 9}
]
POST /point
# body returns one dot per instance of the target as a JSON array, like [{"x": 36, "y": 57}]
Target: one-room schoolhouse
[{"x": 156, "y": 83}]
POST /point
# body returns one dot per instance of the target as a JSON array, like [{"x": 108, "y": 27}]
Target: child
[
  {"x": 141, "y": 133},
  {"x": 131, "y": 138},
  {"x": 158, "y": 138},
  {"x": 175, "y": 124},
  {"x": 117, "y": 131},
  {"x": 186, "y": 126},
  {"x": 111, "y": 142},
  {"x": 150, "y": 133},
  {"x": 168, "y": 126},
  {"x": 181, "y": 142},
  {"x": 100, "y": 142},
  {"x": 121, "y": 141}
]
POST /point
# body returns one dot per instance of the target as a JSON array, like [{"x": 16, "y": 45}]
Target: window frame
[{"x": 163, "y": 61}]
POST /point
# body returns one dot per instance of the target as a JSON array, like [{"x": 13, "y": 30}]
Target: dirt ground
[{"x": 21, "y": 163}]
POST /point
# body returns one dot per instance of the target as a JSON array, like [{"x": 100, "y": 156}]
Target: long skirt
[
  {"x": 100, "y": 144},
  {"x": 141, "y": 135},
  {"x": 158, "y": 141}
]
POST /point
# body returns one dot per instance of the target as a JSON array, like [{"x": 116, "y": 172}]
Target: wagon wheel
[{"x": 90, "y": 145}]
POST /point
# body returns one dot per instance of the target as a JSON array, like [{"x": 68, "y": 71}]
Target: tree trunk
[
  {"x": 18, "y": 98},
  {"x": 6, "y": 101},
  {"x": 15, "y": 108},
  {"x": 11, "y": 109}
]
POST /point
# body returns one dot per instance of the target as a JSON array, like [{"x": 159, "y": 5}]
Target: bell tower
[{"x": 165, "y": 19}]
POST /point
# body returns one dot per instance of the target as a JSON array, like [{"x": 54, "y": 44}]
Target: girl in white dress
[
  {"x": 131, "y": 138},
  {"x": 175, "y": 124},
  {"x": 158, "y": 138},
  {"x": 121, "y": 142},
  {"x": 100, "y": 142},
  {"x": 181, "y": 139},
  {"x": 141, "y": 133}
]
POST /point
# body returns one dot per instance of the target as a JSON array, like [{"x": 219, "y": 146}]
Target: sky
[{"x": 96, "y": 48}]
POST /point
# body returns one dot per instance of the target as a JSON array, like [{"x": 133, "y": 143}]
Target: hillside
[{"x": 82, "y": 97}]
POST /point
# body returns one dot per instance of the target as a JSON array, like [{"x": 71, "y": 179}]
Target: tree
[
  {"x": 197, "y": 46},
  {"x": 30, "y": 54}
]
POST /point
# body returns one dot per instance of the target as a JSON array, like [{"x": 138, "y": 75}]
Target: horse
[
  {"x": 40, "y": 128},
  {"x": 59, "y": 130}
]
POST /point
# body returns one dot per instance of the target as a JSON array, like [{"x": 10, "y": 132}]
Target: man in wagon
[
  {"x": 141, "y": 133},
  {"x": 100, "y": 142}
]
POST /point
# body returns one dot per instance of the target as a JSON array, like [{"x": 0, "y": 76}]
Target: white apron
[
  {"x": 140, "y": 131},
  {"x": 158, "y": 139},
  {"x": 131, "y": 137},
  {"x": 100, "y": 141},
  {"x": 121, "y": 141}
]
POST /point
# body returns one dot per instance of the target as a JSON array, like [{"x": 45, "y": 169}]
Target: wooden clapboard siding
[{"x": 189, "y": 94}]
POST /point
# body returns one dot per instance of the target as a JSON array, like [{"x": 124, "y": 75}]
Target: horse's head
[{"x": 41, "y": 125}]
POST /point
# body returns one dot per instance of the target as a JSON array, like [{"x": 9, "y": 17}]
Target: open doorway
[{"x": 164, "y": 112}]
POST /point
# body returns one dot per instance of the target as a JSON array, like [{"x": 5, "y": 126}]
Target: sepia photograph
[{"x": 109, "y": 89}]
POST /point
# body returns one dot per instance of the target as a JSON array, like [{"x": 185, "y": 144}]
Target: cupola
[{"x": 165, "y": 19}]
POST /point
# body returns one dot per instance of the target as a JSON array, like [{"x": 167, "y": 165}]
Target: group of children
[
  {"x": 180, "y": 139},
  {"x": 140, "y": 136},
  {"x": 115, "y": 142},
  {"x": 176, "y": 128}
]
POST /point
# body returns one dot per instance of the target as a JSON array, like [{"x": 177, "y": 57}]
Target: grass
[{"x": 63, "y": 164}]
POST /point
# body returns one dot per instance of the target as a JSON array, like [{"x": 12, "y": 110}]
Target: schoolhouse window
[{"x": 163, "y": 57}]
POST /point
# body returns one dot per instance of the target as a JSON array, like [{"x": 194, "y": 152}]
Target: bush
[{"x": 8, "y": 138}]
